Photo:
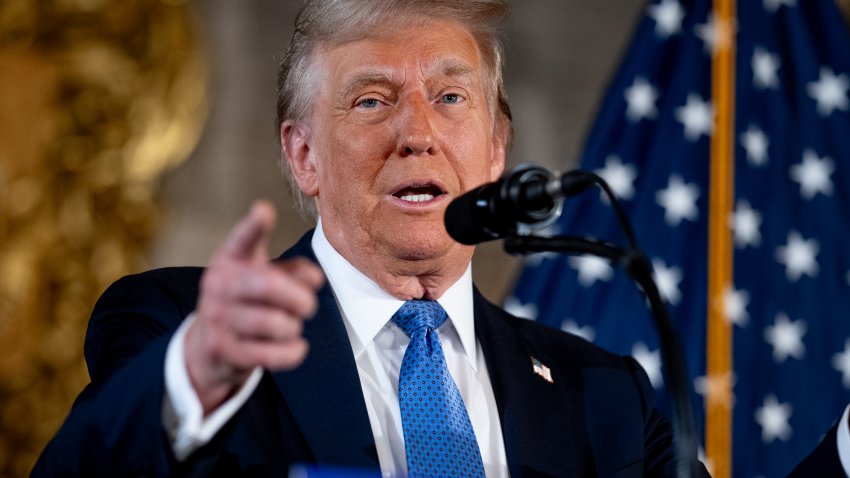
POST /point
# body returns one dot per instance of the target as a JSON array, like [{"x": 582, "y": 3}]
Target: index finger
[{"x": 249, "y": 238}]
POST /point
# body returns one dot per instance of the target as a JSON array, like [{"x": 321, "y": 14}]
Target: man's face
[{"x": 401, "y": 127}]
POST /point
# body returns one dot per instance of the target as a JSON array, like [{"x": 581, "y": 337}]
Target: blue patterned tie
[{"x": 438, "y": 436}]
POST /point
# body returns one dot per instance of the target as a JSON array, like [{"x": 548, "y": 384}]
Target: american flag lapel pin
[{"x": 541, "y": 370}]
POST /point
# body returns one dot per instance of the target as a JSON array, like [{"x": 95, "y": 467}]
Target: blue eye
[
  {"x": 451, "y": 98},
  {"x": 369, "y": 103}
]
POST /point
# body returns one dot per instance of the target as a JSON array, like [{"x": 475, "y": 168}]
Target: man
[{"x": 388, "y": 109}]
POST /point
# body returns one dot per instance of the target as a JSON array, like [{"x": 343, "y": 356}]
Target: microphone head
[
  {"x": 465, "y": 217},
  {"x": 517, "y": 201}
]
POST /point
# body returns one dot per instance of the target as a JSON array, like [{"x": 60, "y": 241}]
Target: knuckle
[
  {"x": 301, "y": 352},
  {"x": 309, "y": 274},
  {"x": 287, "y": 357},
  {"x": 258, "y": 285},
  {"x": 216, "y": 347},
  {"x": 297, "y": 327},
  {"x": 306, "y": 305},
  {"x": 268, "y": 324},
  {"x": 290, "y": 327},
  {"x": 312, "y": 306},
  {"x": 212, "y": 314},
  {"x": 296, "y": 352},
  {"x": 215, "y": 282}
]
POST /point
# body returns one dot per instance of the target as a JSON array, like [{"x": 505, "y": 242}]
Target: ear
[
  {"x": 501, "y": 133},
  {"x": 294, "y": 139}
]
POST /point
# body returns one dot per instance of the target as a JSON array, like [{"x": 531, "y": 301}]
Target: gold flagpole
[{"x": 719, "y": 373}]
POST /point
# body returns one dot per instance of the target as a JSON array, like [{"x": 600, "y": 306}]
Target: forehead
[{"x": 427, "y": 48}]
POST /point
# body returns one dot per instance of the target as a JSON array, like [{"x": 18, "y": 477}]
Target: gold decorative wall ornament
[{"x": 97, "y": 99}]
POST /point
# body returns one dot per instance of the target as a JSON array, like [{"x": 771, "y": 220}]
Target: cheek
[
  {"x": 351, "y": 165},
  {"x": 473, "y": 155}
]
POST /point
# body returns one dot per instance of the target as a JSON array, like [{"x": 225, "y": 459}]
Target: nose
[{"x": 416, "y": 132}]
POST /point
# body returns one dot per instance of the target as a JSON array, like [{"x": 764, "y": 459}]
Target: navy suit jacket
[{"x": 596, "y": 419}]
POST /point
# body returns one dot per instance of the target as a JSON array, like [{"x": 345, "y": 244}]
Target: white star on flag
[
  {"x": 755, "y": 143},
  {"x": 650, "y": 361},
  {"x": 667, "y": 279},
  {"x": 765, "y": 68},
  {"x": 841, "y": 362},
  {"x": 735, "y": 306},
  {"x": 786, "y": 338},
  {"x": 668, "y": 16},
  {"x": 538, "y": 257},
  {"x": 640, "y": 98},
  {"x": 773, "y": 418},
  {"x": 518, "y": 309},
  {"x": 830, "y": 91},
  {"x": 679, "y": 201},
  {"x": 717, "y": 388},
  {"x": 586, "y": 332},
  {"x": 621, "y": 177},
  {"x": 716, "y": 34},
  {"x": 697, "y": 116},
  {"x": 746, "y": 223},
  {"x": 773, "y": 5},
  {"x": 798, "y": 256},
  {"x": 591, "y": 269},
  {"x": 813, "y": 175}
]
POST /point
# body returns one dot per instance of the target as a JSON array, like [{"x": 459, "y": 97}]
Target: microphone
[{"x": 525, "y": 198}]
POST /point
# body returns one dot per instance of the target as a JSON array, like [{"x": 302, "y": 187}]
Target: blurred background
[{"x": 134, "y": 133}]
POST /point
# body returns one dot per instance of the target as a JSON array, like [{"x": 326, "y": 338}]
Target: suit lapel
[
  {"x": 542, "y": 425},
  {"x": 324, "y": 393}
]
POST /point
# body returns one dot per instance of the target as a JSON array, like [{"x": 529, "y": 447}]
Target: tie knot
[{"x": 415, "y": 314}]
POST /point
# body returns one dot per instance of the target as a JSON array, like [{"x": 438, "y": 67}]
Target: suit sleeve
[
  {"x": 823, "y": 460},
  {"x": 115, "y": 425}
]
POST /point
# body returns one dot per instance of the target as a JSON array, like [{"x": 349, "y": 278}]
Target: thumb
[{"x": 250, "y": 237}]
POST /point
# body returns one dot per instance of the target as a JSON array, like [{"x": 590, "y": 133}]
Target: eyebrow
[
  {"x": 368, "y": 78},
  {"x": 449, "y": 67},
  {"x": 452, "y": 67}
]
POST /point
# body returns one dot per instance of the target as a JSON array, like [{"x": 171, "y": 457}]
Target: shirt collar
[{"x": 366, "y": 308}]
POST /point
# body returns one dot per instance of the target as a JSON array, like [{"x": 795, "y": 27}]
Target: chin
[{"x": 415, "y": 245}]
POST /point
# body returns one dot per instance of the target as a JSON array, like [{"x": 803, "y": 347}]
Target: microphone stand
[{"x": 639, "y": 268}]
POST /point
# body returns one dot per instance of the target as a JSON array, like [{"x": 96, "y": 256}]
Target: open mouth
[{"x": 419, "y": 193}]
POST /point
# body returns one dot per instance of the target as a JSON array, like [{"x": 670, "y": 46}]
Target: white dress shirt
[{"x": 378, "y": 346}]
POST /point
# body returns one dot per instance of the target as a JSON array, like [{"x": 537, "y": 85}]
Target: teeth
[{"x": 417, "y": 197}]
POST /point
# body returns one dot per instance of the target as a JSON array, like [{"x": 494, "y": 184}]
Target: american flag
[{"x": 788, "y": 301}]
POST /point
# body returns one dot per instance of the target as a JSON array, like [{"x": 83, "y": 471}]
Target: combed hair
[{"x": 329, "y": 22}]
